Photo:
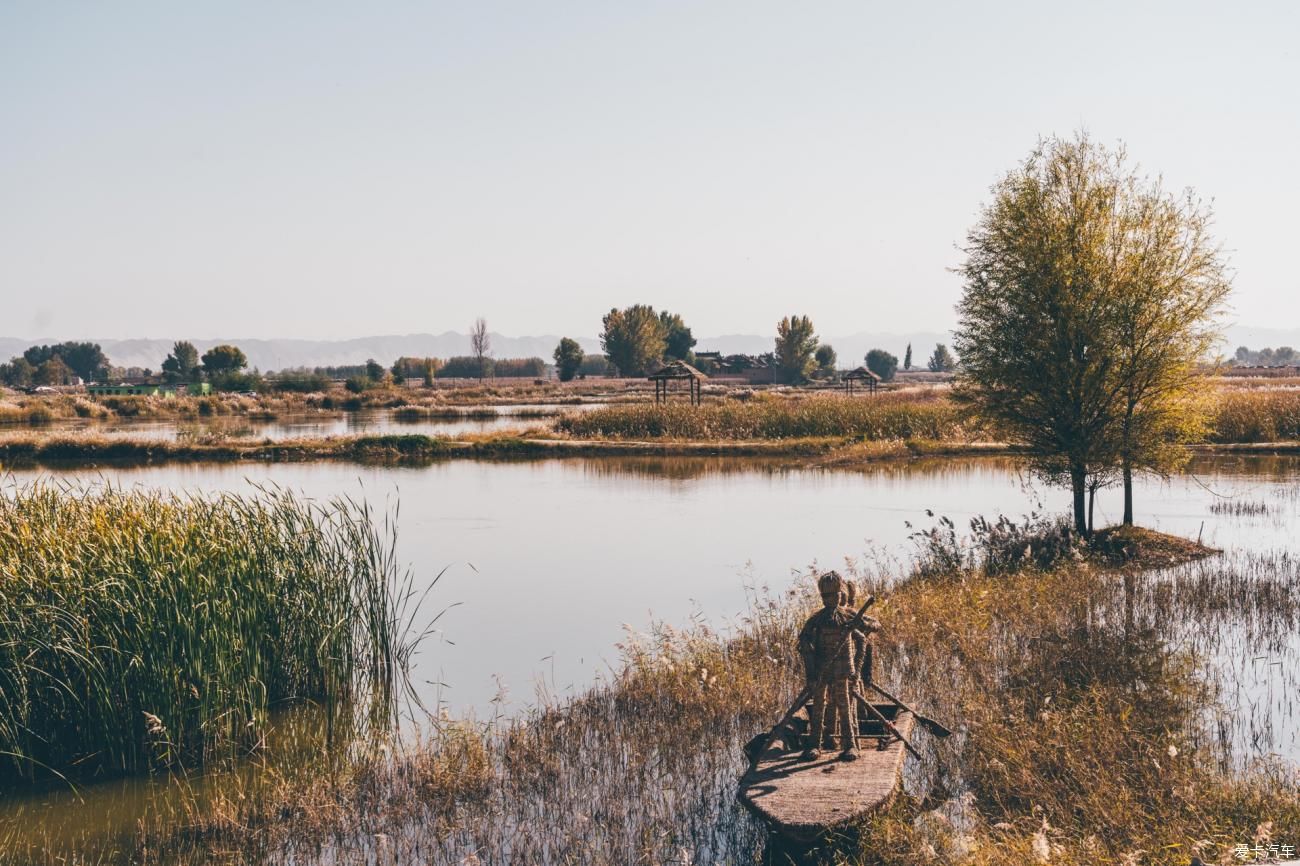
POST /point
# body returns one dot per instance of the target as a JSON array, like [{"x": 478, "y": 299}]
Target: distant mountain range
[{"x": 280, "y": 354}]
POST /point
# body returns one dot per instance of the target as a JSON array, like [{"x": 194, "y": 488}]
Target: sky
[{"x": 329, "y": 170}]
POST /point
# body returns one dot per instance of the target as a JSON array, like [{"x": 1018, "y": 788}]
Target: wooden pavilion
[
  {"x": 678, "y": 371},
  {"x": 861, "y": 377}
]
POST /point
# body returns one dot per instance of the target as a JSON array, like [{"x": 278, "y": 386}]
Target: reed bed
[
  {"x": 1255, "y": 416},
  {"x": 142, "y": 630},
  {"x": 882, "y": 417}
]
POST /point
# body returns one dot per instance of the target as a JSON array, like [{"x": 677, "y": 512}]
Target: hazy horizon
[{"x": 262, "y": 172}]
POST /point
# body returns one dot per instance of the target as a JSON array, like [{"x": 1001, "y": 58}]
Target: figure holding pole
[{"x": 833, "y": 644}]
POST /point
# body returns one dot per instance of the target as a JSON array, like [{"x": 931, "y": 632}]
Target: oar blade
[{"x": 934, "y": 728}]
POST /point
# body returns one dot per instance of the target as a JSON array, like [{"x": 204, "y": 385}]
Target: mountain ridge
[{"x": 278, "y": 354}]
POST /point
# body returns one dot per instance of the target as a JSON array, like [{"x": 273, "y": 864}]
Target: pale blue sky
[{"x": 325, "y": 169}]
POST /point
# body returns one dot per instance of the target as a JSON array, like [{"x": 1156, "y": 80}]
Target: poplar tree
[{"x": 796, "y": 345}]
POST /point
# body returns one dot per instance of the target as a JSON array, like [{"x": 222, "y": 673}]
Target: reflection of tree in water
[
  {"x": 677, "y": 468},
  {"x": 1276, "y": 469},
  {"x": 685, "y": 468},
  {"x": 1108, "y": 704},
  {"x": 1240, "y": 616}
]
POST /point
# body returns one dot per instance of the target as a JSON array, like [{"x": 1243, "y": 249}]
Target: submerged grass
[{"x": 143, "y": 630}]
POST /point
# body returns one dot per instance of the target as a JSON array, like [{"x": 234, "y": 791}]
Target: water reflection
[{"x": 108, "y": 816}]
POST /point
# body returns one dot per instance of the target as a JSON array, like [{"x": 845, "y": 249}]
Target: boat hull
[{"x": 805, "y": 799}]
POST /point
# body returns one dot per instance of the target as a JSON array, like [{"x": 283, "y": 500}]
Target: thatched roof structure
[
  {"x": 860, "y": 377},
  {"x": 677, "y": 370},
  {"x": 861, "y": 374}
]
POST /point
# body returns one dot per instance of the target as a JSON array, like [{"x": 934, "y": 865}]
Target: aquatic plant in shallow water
[{"x": 141, "y": 630}]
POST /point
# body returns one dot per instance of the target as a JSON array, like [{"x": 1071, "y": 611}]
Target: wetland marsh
[{"x": 614, "y": 548}]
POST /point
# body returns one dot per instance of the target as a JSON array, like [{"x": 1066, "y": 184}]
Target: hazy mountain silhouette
[{"x": 277, "y": 354}]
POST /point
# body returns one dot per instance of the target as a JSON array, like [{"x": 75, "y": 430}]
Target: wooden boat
[{"x": 805, "y": 799}]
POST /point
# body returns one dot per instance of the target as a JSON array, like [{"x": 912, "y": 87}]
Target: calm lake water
[{"x": 549, "y": 562}]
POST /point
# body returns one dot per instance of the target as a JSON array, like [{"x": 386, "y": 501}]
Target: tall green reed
[{"x": 141, "y": 630}]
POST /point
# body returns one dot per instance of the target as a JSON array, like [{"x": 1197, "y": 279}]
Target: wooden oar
[
  {"x": 889, "y": 726},
  {"x": 929, "y": 724},
  {"x": 808, "y": 689}
]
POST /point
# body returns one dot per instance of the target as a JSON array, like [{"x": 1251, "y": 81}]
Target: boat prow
[{"x": 803, "y": 799}]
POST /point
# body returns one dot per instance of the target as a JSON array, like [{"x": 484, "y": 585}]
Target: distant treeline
[
  {"x": 1282, "y": 356},
  {"x": 467, "y": 367},
  {"x": 306, "y": 379}
]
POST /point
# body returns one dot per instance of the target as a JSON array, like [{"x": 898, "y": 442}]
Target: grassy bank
[
  {"x": 406, "y": 449},
  {"x": 82, "y": 449},
  {"x": 143, "y": 631},
  {"x": 1092, "y": 727}
]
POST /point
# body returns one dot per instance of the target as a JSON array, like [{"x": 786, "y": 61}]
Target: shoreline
[{"x": 418, "y": 449}]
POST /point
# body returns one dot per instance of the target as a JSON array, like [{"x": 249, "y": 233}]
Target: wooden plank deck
[{"x": 805, "y": 798}]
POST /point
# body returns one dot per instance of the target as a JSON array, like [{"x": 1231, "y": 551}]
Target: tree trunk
[
  {"x": 1128, "y": 494},
  {"x": 1092, "y": 503},
  {"x": 1078, "y": 481}
]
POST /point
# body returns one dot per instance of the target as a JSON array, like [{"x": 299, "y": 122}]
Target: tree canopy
[
  {"x": 634, "y": 339},
  {"x": 941, "y": 360},
  {"x": 678, "y": 341},
  {"x": 18, "y": 373},
  {"x": 826, "y": 359},
  {"x": 183, "y": 362},
  {"x": 223, "y": 359},
  {"x": 796, "y": 346},
  {"x": 53, "y": 371},
  {"x": 882, "y": 363},
  {"x": 1090, "y": 295},
  {"x": 407, "y": 367},
  {"x": 568, "y": 358},
  {"x": 86, "y": 360}
]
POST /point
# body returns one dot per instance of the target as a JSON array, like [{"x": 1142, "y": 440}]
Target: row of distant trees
[
  {"x": 64, "y": 363},
  {"x": 56, "y": 364},
  {"x": 637, "y": 340},
  {"x": 1282, "y": 356}
]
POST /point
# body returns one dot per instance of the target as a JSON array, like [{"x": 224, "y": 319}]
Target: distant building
[
  {"x": 142, "y": 389},
  {"x": 754, "y": 369}
]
